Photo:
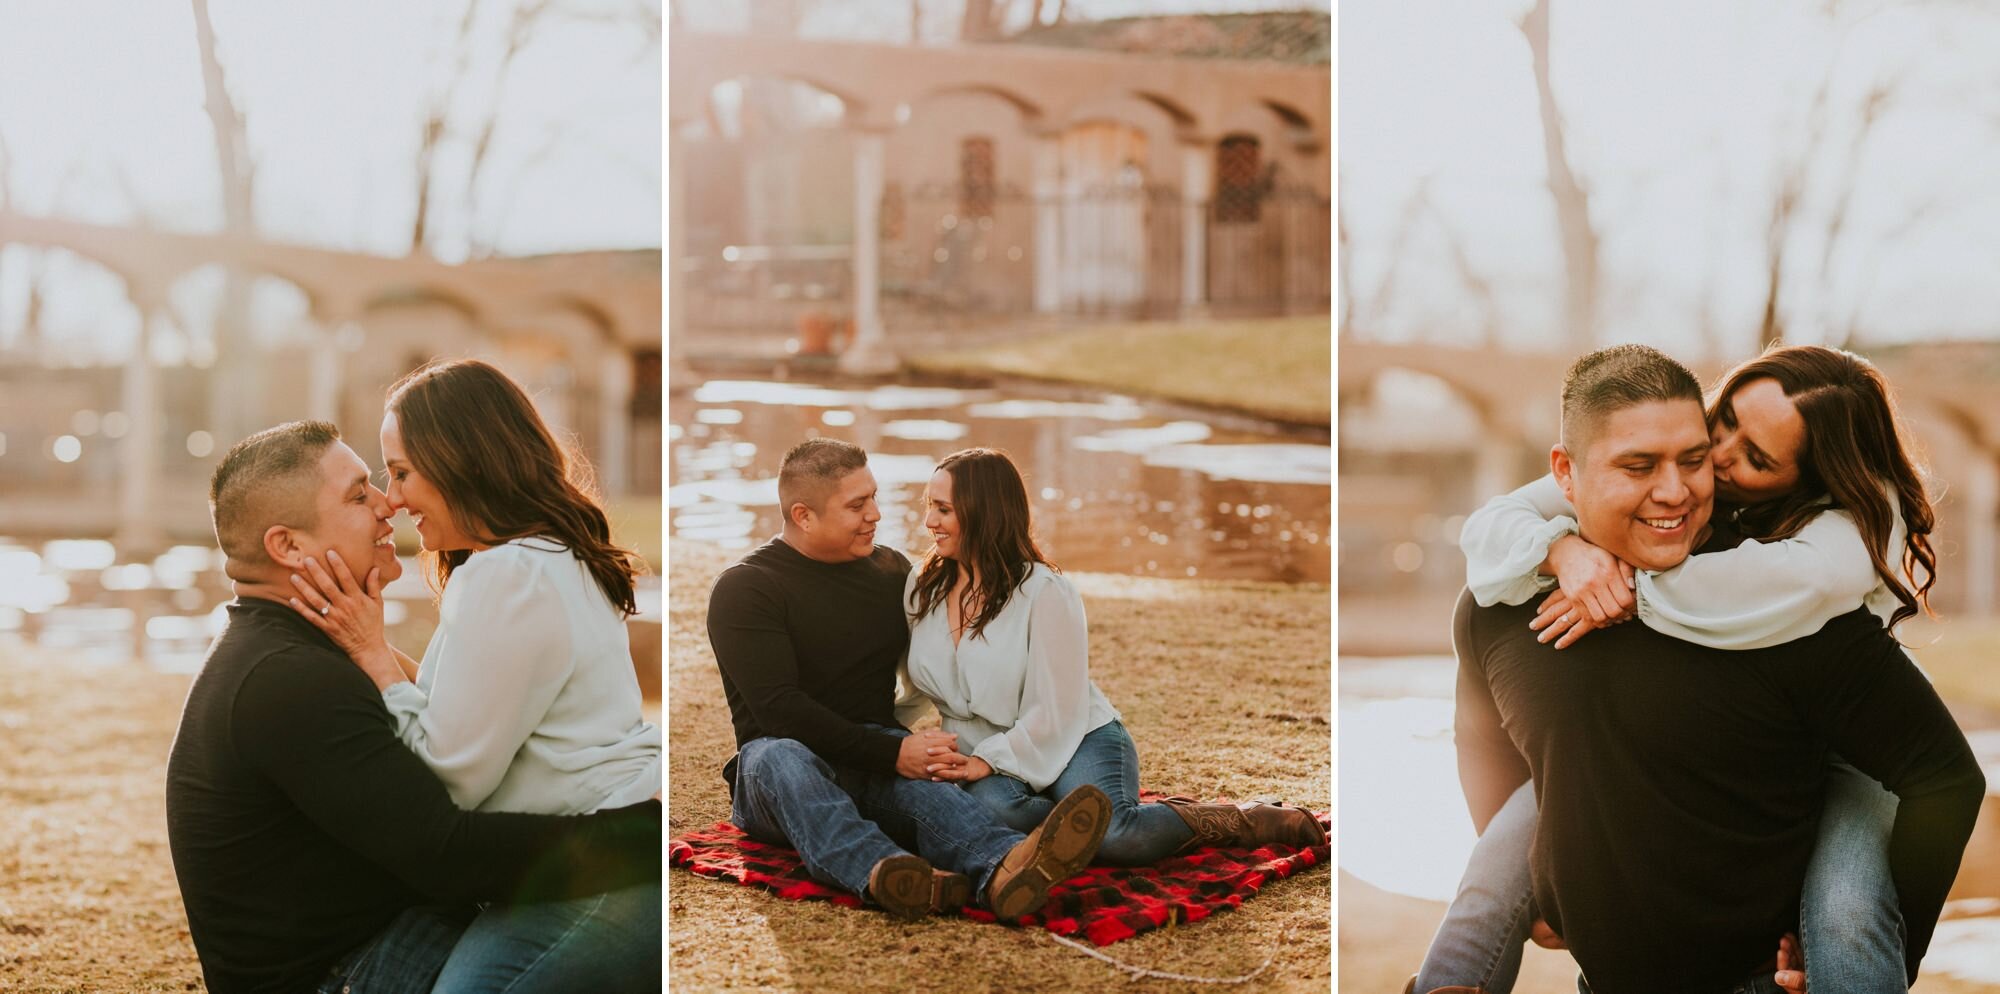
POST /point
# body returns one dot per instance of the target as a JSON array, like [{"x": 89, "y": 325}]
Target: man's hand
[
  {"x": 1546, "y": 937},
  {"x": 1791, "y": 973},
  {"x": 914, "y": 757},
  {"x": 959, "y": 769}
]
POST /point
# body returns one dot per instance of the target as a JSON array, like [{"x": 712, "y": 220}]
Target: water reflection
[
  {"x": 76, "y": 596},
  {"x": 1117, "y": 485}
]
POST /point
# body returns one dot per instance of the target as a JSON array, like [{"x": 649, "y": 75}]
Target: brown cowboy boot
[
  {"x": 1246, "y": 825},
  {"x": 1059, "y": 847},
  {"x": 1410, "y": 987},
  {"x": 902, "y": 885}
]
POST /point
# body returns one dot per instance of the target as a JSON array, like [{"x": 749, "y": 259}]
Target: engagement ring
[{"x": 324, "y": 608}]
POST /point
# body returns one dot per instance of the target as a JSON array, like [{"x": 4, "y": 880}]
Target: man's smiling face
[
  {"x": 1642, "y": 488},
  {"x": 353, "y": 517}
]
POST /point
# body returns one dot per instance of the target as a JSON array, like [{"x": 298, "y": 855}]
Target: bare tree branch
[
  {"x": 232, "y": 151},
  {"x": 1572, "y": 202}
]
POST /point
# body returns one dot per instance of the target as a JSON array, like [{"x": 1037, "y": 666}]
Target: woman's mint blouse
[
  {"x": 526, "y": 699},
  {"x": 1018, "y": 695}
]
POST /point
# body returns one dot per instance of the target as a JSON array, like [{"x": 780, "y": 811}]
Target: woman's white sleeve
[
  {"x": 1506, "y": 540},
  {"x": 1764, "y": 593},
  {"x": 504, "y": 658},
  {"x": 1055, "y": 692}
]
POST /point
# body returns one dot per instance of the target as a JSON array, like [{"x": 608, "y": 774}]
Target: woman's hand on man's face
[{"x": 350, "y": 613}]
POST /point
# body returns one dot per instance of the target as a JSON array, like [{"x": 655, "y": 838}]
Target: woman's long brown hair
[
  {"x": 995, "y": 535},
  {"x": 475, "y": 435},
  {"x": 1854, "y": 448}
]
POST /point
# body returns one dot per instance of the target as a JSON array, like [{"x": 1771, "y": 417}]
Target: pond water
[
  {"x": 81, "y": 597},
  {"x": 1118, "y": 485},
  {"x": 1404, "y": 827}
]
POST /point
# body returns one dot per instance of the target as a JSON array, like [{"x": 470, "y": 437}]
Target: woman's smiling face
[
  {"x": 1759, "y": 439},
  {"x": 409, "y": 491}
]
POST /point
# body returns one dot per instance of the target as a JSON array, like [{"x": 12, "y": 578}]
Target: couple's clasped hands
[
  {"x": 933, "y": 754},
  {"x": 1594, "y": 590}
]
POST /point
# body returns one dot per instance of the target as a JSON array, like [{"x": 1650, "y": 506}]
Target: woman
[
  {"x": 999, "y": 643},
  {"x": 1810, "y": 466},
  {"x": 526, "y": 699}
]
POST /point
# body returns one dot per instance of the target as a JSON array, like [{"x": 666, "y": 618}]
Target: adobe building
[{"x": 1150, "y": 167}]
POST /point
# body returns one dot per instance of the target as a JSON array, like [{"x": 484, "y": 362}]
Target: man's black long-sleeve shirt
[
  {"x": 809, "y": 651},
  {"x": 1680, "y": 787},
  {"x": 301, "y": 826}
]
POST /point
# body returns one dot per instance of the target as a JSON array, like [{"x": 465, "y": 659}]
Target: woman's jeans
[
  {"x": 606, "y": 942},
  {"x": 1849, "y": 922},
  {"x": 1139, "y": 834}
]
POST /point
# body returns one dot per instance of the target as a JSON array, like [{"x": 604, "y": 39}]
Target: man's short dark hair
[
  {"x": 270, "y": 478},
  {"x": 1615, "y": 378},
  {"x": 812, "y": 469}
]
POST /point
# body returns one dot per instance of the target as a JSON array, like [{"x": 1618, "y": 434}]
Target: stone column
[
  {"x": 678, "y": 371},
  {"x": 869, "y": 354},
  {"x": 324, "y": 372},
  {"x": 140, "y": 533},
  {"x": 1197, "y": 188},
  {"x": 1047, "y": 150},
  {"x": 1982, "y": 507},
  {"x": 1496, "y": 465},
  {"x": 614, "y": 411}
]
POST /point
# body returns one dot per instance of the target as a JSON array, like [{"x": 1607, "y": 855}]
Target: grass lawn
[
  {"x": 1271, "y": 367},
  {"x": 1226, "y": 687}
]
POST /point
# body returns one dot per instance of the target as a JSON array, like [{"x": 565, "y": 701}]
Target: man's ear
[
  {"x": 1565, "y": 471},
  {"x": 799, "y": 514},
  {"x": 284, "y": 546}
]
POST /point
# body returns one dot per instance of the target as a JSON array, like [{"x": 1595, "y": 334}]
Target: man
[
  {"x": 810, "y": 635},
  {"x": 313, "y": 850},
  {"x": 1679, "y": 787}
]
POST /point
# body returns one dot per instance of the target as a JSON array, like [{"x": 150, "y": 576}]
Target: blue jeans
[
  {"x": 404, "y": 958},
  {"x": 844, "y": 821},
  {"x": 1850, "y": 925},
  {"x": 1479, "y": 942},
  {"x": 606, "y": 942},
  {"x": 1139, "y": 834}
]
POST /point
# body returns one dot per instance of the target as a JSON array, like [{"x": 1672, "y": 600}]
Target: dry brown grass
[
  {"x": 1227, "y": 690},
  {"x": 1267, "y": 367},
  {"x": 87, "y": 894}
]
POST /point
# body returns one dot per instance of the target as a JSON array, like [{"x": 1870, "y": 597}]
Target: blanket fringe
[{"x": 1140, "y": 972}]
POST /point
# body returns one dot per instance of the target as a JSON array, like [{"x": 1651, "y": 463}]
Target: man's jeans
[
  {"x": 844, "y": 821},
  {"x": 606, "y": 942},
  {"x": 1139, "y": 834},
  {"x": 404, "y": 958}
]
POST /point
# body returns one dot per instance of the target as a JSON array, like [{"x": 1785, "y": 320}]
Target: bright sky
[
  {"x": 1680, "y": 119},
  {"x": 334, "y": 96}
]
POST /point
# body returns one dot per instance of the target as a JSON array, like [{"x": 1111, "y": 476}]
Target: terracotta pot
[{"x": 816, "y": 333}]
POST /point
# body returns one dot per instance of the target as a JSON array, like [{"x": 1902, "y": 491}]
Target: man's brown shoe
[
  {"x": 1055, "y": 851},
  {"x": 949, "y": 891},
  {"x": 1247, "y": 825},
  {"x": 902, "y": 886}
]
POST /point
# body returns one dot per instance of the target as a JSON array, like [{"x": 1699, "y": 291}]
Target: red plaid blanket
[{"x": 1104, "y": 903}]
